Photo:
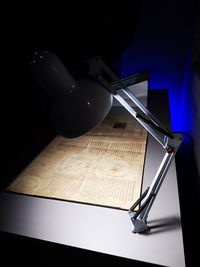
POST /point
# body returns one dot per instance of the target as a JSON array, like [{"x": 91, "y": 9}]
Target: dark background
[{"x": 75, "y": 33}]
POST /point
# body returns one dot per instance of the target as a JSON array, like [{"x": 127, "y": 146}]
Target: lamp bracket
[{"x": 170, "y": 142}]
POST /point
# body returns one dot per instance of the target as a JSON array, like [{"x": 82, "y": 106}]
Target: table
[{"x": 106, "y": 230}]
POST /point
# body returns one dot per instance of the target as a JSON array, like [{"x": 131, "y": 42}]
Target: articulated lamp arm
[{"x": 170, "y": 142}]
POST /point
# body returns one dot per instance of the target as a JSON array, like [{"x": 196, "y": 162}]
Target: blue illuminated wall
[{"x": 162, "y": 44}]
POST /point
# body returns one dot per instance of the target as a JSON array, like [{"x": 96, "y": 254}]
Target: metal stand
[
  {"x": 139, "y": 217},
  {"x": 169, "y": 142}
]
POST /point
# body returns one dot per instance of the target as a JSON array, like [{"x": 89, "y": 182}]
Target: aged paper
[{"x": 103, "y": 167}]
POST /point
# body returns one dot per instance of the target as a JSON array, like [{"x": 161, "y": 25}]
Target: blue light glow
[
  {"x": 167, "y": 76},
  {"x": 163, "y": 48}
]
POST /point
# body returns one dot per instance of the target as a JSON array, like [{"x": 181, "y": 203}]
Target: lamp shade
[{"x": 77, "y": 106}]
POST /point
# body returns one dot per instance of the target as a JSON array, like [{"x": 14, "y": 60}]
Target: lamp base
[{"x": 139, "y": 226}]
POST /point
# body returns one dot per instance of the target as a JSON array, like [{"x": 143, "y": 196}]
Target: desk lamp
[{"x": 77, "y": 106}]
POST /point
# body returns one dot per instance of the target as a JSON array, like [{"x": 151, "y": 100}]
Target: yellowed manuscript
[{"x": 103, "y": 167}]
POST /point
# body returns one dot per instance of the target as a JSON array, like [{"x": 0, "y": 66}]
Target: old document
[{"x": 103, "y": 167}]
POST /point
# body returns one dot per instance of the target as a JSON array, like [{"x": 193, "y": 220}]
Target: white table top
[{"x": 103, "y": 229}]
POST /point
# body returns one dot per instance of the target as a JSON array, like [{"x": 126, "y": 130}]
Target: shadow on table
[{"x": 163, "y": 225}]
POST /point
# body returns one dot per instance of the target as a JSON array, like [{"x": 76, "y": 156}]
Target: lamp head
[{"x": 76, "y": 106}]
